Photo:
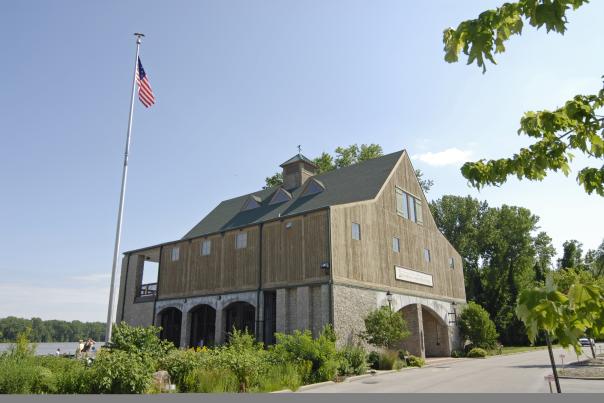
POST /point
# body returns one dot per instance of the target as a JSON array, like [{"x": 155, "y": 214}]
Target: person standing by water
[
  {"x": 58, "y": 352},
  {"x": 80, "y": 348}
]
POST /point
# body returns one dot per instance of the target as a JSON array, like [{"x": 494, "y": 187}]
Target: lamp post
[{"x": 389, "y": 298}]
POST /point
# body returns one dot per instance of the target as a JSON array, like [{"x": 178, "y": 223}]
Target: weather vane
[{"x": 299, "y": 149}]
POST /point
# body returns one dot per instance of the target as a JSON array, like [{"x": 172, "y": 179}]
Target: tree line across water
[{"x": 44, "y": 331}]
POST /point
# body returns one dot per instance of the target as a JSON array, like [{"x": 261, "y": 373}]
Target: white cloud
[
  {"x": 450, "y": 156},
  {"x": 70, "y": 302}
]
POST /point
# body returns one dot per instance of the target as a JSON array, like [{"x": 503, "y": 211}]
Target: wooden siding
[
  {"x": 294, "y": 254},
  {"x": 370, "y": 261},
  {"x": 225, "y": 269}
]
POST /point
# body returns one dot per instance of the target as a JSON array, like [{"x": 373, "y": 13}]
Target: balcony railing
[{"x": 147, "y": 290}]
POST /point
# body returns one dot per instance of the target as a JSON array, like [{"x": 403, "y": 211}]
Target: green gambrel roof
[{"x": 346, "y": 185}]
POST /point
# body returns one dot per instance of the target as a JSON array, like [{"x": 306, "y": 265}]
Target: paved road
[{"x": 515, "y": 373}]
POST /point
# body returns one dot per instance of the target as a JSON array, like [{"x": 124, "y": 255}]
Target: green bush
[
  {"x": 414, "y": 361},
  {"x": 121, "y": 372},
  {"x": 280, "y": 377},
  {"x": 387, "y": 360},
  {"x": 373, "y": 359},
  {"x": 243, "y": 356},
  {"x": 139, "y": 340},
  {"x": 72, "y": 376},
  {"x": 300, "y": 347},
  {"x": 22, "y": 375},
  {"x": 399, "y": 364},
  {"x": 180, "y": 363},
  {"x": 457, "y": 353},
  {"x": 477, "y": 352},
  {"x": 476, "y": 326},
  {"x": 384, "y": 328},
  {"x": 352, "y": 361},
  {"x": 207, "y": 380}
]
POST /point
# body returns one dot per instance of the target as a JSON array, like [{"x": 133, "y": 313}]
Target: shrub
[
  {"x": 457, "y": 353},
  {"x": 245, "y": 358},
  {"x": 477, "y": 352},
  {"x": 352, "y": 361},
  {"x": 72, "y": 376},
  {"x": 476, "y": 326},
  {"x": 208, "y": 380},
  {"x": 399, "y": 364},
  {"x": 373, "y": 359},
  {"x": 387, "y": 360},
  {"x": 280, "y": 377},
  {"x": 180, "y": 363},
  {"x": 22, "y": 375},
  {"x": 121, "y": 372},
  {"x": 300, "y": 347},
  {"x": 139, "y": 340},
  {"x": 384, "y": 328},
  {"x": 414, "y": 361}
]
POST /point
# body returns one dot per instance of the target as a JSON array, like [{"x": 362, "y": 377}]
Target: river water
[{"x": 51, "y": 348}]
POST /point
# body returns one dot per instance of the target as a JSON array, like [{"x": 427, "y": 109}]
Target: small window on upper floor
[
  {"x": 427, "y": 255},
  {"x": 401, "y": 203},
  {"x": 451, "y": 263},
  {"x": 280, "y": 196},
  {"x": 206, "y": 247},
  {"x": 396, "y": 244},
  {"x": 241, "y": 240},
  {"x": 313, "y": 186},
  {"x": 175, "y": 253},
  {"x": 252, "y": 202},
  {"x": 356, "y": 231}
]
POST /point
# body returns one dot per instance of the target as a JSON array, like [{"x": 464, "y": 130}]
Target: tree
[
  {"x": 571, "y": 255},
  {"x": 594, "y": 260},
  {"x": 565, "y": 317},
  {"x": 477, "y": 327},
  {"x": 545, "y": 252},
  {"x": 426, "y": 184},
  {"x": 574, "y": 127},
  {"x": 385, "y": 328}
]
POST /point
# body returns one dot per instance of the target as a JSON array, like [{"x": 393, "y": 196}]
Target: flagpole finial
[{"x": 138, "y": 37}]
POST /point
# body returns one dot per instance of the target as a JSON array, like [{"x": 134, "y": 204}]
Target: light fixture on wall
[
  {"x": 389, "y": 298},
  {"x": 453, "y": 315},
  {"x": 325, "y": 267}
]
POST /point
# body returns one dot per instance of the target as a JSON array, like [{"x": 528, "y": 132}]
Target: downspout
[
  {"x": 157, "y": 288},
  {"x": 330, "y": 283},
  {"x": 259, "y": 322},
  {"x": 126, "y": 288}
]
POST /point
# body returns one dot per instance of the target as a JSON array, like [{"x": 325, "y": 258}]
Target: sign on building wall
[{"x": 412, "y": 276}]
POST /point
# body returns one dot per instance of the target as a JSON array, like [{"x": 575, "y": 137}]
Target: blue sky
[{"x": 239, "y": 84}]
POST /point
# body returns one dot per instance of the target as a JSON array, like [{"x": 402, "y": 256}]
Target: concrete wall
[
  {"x": 351, "y": 306},
  {"x": 301, "y": 308}
]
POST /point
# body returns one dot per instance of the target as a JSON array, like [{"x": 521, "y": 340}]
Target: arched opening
[
  {"x": 429, "y": 334},
  {"x": 170, "y": 320},
  {"x": 241, "y": 316},
  {"x": 436, "y": 334},
  {"x": 203, "y": 326}
]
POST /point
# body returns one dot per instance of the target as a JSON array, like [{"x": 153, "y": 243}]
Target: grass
[{"x": 517, "y": 349}]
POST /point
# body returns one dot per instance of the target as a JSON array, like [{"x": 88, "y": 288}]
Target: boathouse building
[{"x": 320, "y": 249}]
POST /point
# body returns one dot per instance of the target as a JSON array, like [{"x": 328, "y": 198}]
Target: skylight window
[
  {"x": 251, "y": 203},
  {"x": 313, "y": 187},
  {"x": 280, "y": 196}
]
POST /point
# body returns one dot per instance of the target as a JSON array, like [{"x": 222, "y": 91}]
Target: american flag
[{"x": 145, "y": 93}]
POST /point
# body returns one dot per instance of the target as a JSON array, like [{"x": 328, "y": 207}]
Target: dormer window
[
  {"x": 313, "y": 187},
  {"x": 280, "y": 196},
  {"x": 252, "y": 202}
]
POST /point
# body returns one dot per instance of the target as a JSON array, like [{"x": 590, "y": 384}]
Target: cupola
[{"x": 296, "y": 171}]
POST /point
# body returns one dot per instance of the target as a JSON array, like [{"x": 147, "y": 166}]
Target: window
[
  {"x": 280, "y": 196},
  {"x": 356, "y": 231},
  {"x": 408, "y": 206},
  {"x": 396, "y": 244},
  {"x": 427, "y": 255},
  {"x": 175, "y": 254},
  {"x": 241, "y": 240},
  {"x": 206, "y": 247},
  {"x": 252, "y": 202},
  {"x": 451, "y": 263},
  {"x": 314, "y": 186}
]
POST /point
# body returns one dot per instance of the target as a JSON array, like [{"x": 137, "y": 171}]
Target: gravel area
[{"x": 592, "y": 368}]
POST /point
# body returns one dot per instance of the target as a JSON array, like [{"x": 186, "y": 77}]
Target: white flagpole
[{"x": 118, "y": 232}]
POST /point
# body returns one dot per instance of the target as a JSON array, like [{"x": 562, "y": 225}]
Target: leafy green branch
[
  {"x": 481, "y": 37},
  {"x": 575, "y": 126}
]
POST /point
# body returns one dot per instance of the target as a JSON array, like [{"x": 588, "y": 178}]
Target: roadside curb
[{"x": 585, "y": 378}]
